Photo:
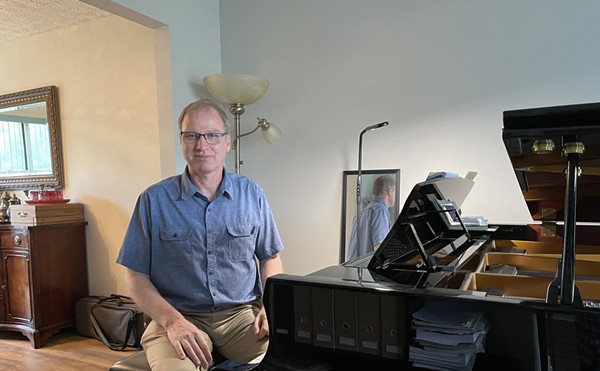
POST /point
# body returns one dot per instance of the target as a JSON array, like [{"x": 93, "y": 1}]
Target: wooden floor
[{"x": 64, "y": 351}]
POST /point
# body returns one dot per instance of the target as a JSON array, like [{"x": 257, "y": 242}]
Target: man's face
[
  {"x": 391, "y": 196},
  {"x": 201, "y": 157}
]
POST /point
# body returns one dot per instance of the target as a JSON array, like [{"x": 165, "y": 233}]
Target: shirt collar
[
  {"x": 226, "y": 185},
  {"x": 379, "y": 200},
  {"x": 188, "y": 189}
]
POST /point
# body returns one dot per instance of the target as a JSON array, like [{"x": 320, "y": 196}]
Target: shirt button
[
  {"x": 210, "y": 273},
  {"x": 209, "y": 252}
]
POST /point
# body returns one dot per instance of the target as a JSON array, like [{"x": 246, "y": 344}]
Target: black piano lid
[
  {"x": 425, "y": 236},
  {"x": 528, "y": 135}
]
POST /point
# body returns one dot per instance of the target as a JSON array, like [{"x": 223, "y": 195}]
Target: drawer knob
[
  {"x": 17, "y": 240},
  {"x": 22, "y": 214}
]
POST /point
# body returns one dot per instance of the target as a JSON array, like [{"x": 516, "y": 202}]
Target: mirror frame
[{"x": 48, "y": 94}]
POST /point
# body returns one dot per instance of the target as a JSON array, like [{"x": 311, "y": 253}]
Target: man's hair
[
  {"x": 382, "y": 183},
  {"x": 201, "y": 104}
]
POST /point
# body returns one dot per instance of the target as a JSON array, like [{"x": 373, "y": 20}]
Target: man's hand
[
  {"x": 183, "y": 335},
  {"x": 189, "y": 341},
  {"x": 261, "y": 325}
]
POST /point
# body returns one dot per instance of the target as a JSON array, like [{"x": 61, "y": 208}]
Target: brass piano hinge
[
  {"x": 548, "y": 229},
  {"x": 549, "y": 222},
  {"x": 548, "y": 214}
]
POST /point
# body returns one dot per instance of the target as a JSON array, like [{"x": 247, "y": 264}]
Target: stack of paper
[{"x": 448, "y": 337}]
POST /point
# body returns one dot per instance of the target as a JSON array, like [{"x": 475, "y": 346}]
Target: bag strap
[
  {"x": 100, "y": 334},
  {"x": 120, "y": 299}
]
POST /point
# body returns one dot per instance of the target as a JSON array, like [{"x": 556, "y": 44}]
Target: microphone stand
[{"x": 359, "y": 180}]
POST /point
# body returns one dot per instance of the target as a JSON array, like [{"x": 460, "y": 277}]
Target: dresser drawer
[{"x": 14, "y": 238}]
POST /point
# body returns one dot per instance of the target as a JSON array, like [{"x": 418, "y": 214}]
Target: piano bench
[
  {"x": 134, "y": 362},
  {"x": 139, "y": 362}
]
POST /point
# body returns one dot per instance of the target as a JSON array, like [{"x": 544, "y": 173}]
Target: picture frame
[{"x": 349, "y": 193}]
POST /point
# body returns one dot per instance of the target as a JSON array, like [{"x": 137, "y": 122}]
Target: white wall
[{"x": 441, "y": 72}]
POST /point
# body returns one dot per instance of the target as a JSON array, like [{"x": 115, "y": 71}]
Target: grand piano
[{"x": 538, "y": 285}]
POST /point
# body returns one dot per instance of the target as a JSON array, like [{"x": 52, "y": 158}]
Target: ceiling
[{"x": 23, "y": 18}]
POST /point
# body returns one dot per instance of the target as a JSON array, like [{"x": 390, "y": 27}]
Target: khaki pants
[{"x": 231, "y": 332}]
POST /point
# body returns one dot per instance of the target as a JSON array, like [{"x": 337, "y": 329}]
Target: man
[
  {"x": 191, "y": 249},
  {"x": 375, "y": 221}
]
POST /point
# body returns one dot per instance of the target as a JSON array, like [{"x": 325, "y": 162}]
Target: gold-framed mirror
[{"x": 31, "y": 156}]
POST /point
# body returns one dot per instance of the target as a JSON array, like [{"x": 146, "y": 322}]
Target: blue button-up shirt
[
  {"x": 374, "y": 226},
  {"x": 200, "y": 255}
]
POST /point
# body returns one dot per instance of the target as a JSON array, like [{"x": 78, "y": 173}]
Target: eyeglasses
[{"x": 190, "y": 137}]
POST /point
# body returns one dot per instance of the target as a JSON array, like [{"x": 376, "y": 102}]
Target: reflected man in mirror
[
  {"x": 375, "y": 221},
  {"x": 198, "y": 250}
]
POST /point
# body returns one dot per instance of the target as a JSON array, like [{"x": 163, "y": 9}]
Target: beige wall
[{"x": 106, "y": 75}]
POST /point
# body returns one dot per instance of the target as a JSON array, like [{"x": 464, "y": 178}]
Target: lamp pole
[
  {"x": 236, "y": 110},
  {"x": 359, "y": 179}
]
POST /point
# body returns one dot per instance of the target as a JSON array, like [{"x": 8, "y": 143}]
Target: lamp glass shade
[
  {"x": 234, "y": 88},
  {"x": 271, "y": 134}
]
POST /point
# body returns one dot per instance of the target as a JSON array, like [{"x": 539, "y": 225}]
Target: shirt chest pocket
[
  {"x": 241, "y": 241},
  {"x": 176, "y": 243}
]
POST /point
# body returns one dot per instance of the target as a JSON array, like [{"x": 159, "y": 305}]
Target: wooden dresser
[{"x": 43, "y": 272}]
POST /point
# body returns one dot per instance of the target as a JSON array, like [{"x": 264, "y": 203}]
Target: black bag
[{"x": 115, "y": 320}]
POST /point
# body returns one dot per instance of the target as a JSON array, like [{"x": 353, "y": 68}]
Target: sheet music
[
  {"x": 448, "y": 336},
  {"x": 452, "y": 185}
]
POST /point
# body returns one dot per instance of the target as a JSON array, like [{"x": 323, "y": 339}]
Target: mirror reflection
[
  {"x": 31, "y": 155},
  {"x": 25, "y": 141},
  {"x": 349, "y": 200}
]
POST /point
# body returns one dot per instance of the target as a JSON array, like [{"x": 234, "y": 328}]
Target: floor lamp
[
  {"x": 359, "y": 181},
  {"x": 239, "y": 91}
]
